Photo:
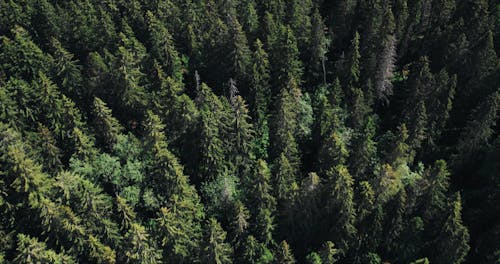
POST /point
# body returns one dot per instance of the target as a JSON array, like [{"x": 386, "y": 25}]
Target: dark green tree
[
  {"x": 454, "y": 236},
  {"x": 340, "y": 206},
  {"x": 284, "y": 254},
  {"x": 215, "y": 249},
  {"x": 107, "y": 126},
  {"x": 261, "y": 98},
  {"x": 30, "y": 251}
]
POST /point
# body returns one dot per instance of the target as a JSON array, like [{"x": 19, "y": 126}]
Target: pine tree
[
  {"x": 30, "y": 250},
  {"x": 128, "y": 76},
  {"x": 421, "y": 84},
  {"x": 320, "y": 44},
  {"x": 300, "y": 22},
  {"x": 239, "y": 56},
  {"x": 314, "y": 258},
  {"x": 261, "y": 98},
  {"x": 358, "y": 102},
  {"x": 438, "y": 187},
  {"x": 242, "y": 135},
  {"x": 177, "y": 109},
  {"x": 394, "y": 222},
  {"x": 249, "y": 17},
  {"x": 262, "y": 201},
  {"x": 21, "y": 57},
  {"x": 264, "y": 226},
  {"x": 286, "y": 125},
  {"x": 108, "y": 127},
  {"x": 479, "y": 128},
  {"x": 340, "y": 15},
  {"x": 166, "y": 176},
  {"x": 363, "y": 157},
  {"x": 140, "y": 250},
  {"x": 216, "y": 250},
  {"x": 440, "y": 105},
  {"x": 333, "y": 152},
  {"x": 48, "y": 150},
  {"x": 84, "y": 148},
  {"x": 179, "y": 228},
  {"x": 307, "y": 209},
  {"x": 340, "y": 206},
  {"x": 454, "y": 237},
  {"x": 259, "y": 188},
  {"x": 67, "y": 72},
  {"x": 328, "y": 253},
  {"x": 214, "y": 122},
  {"x": 285, "y": 184},
  {"x": 162, "y": 47},
  {"x": 255, "y": 252},
  {"x": 284, "y": 58},
  {"x": 284, "y": 254},
  {"x": 239, "y": 224}
]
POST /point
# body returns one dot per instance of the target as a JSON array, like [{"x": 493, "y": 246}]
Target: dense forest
[{"x": 249, "y": 131}]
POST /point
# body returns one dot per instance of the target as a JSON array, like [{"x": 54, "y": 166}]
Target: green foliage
[
  {"x": 142, "y": 131},
  {"x": 215, "y": 249},
  {"x": 454, "y": 235},
  {"x": 30, "y": 250},
  {"x": 284, "y": 254}
]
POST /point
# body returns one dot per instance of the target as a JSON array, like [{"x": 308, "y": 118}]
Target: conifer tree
[
  {"x": 242, "y": 135},
  {"x": 454, "y": 236},
  {"x": 333, "y": 152},
  {"x": 216, "y": 250},
  {"x": 300, "y": 22},
  {"x": 166, "y": 176},
  {"x": 363, "y": 157},
  {"x": 340, "y": 16},
  {"x": 179, "y": 228},
  {"x": 395, "y": 221},
  {"x": 249, "y": 17},
  {"x": 264, "y": 226},
  {"x": 314, "y": 258},
  {"x": 48, "y": 150},
  {"x": 307, "y": 209},
  {"x": 67, "y": 73},
  {"x": 256, "y": 252},
  {"x": 108, "y": 127},
  {"x": 440, "y": 105},
  {"x": 262, "y": 202},
  {"x": 285, "y": 184},
  {"x": 259, "y": 188},
  {"x": 239, "y": 56},
  {"x": 214, "y": 122},
  {"x": 140, "y": 249},
  {"x": 177, "y": 109},
  {"x": 479, "y": 128},
  {"x": 30, "y": 250},
  {"x": 286, "y": 127},
  {"x": 129, "y": 77},
  {"x": 84, "y": 148},
  {"x": 284, "y": 254},
  {"x": 340, "y": 206},
  {"x": 328, "y": 253},
  {"x": 239, "y": 224},
  {"x": 358, "y": 102},
  {"x": 438, "y": 187},
  {"x": 261, "y": 98},
  {"x": 162, "y": 47},
  {"x": 21, "y": 57},
  {"x": 284, "y": 58},
  {"x": 319, "y": 49}
]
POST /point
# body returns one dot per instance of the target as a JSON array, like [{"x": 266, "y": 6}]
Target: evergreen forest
[{"x": 249, "y": 131}]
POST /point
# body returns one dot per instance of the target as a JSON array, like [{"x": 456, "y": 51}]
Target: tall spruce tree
[{"x": 216, "y": 250}]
